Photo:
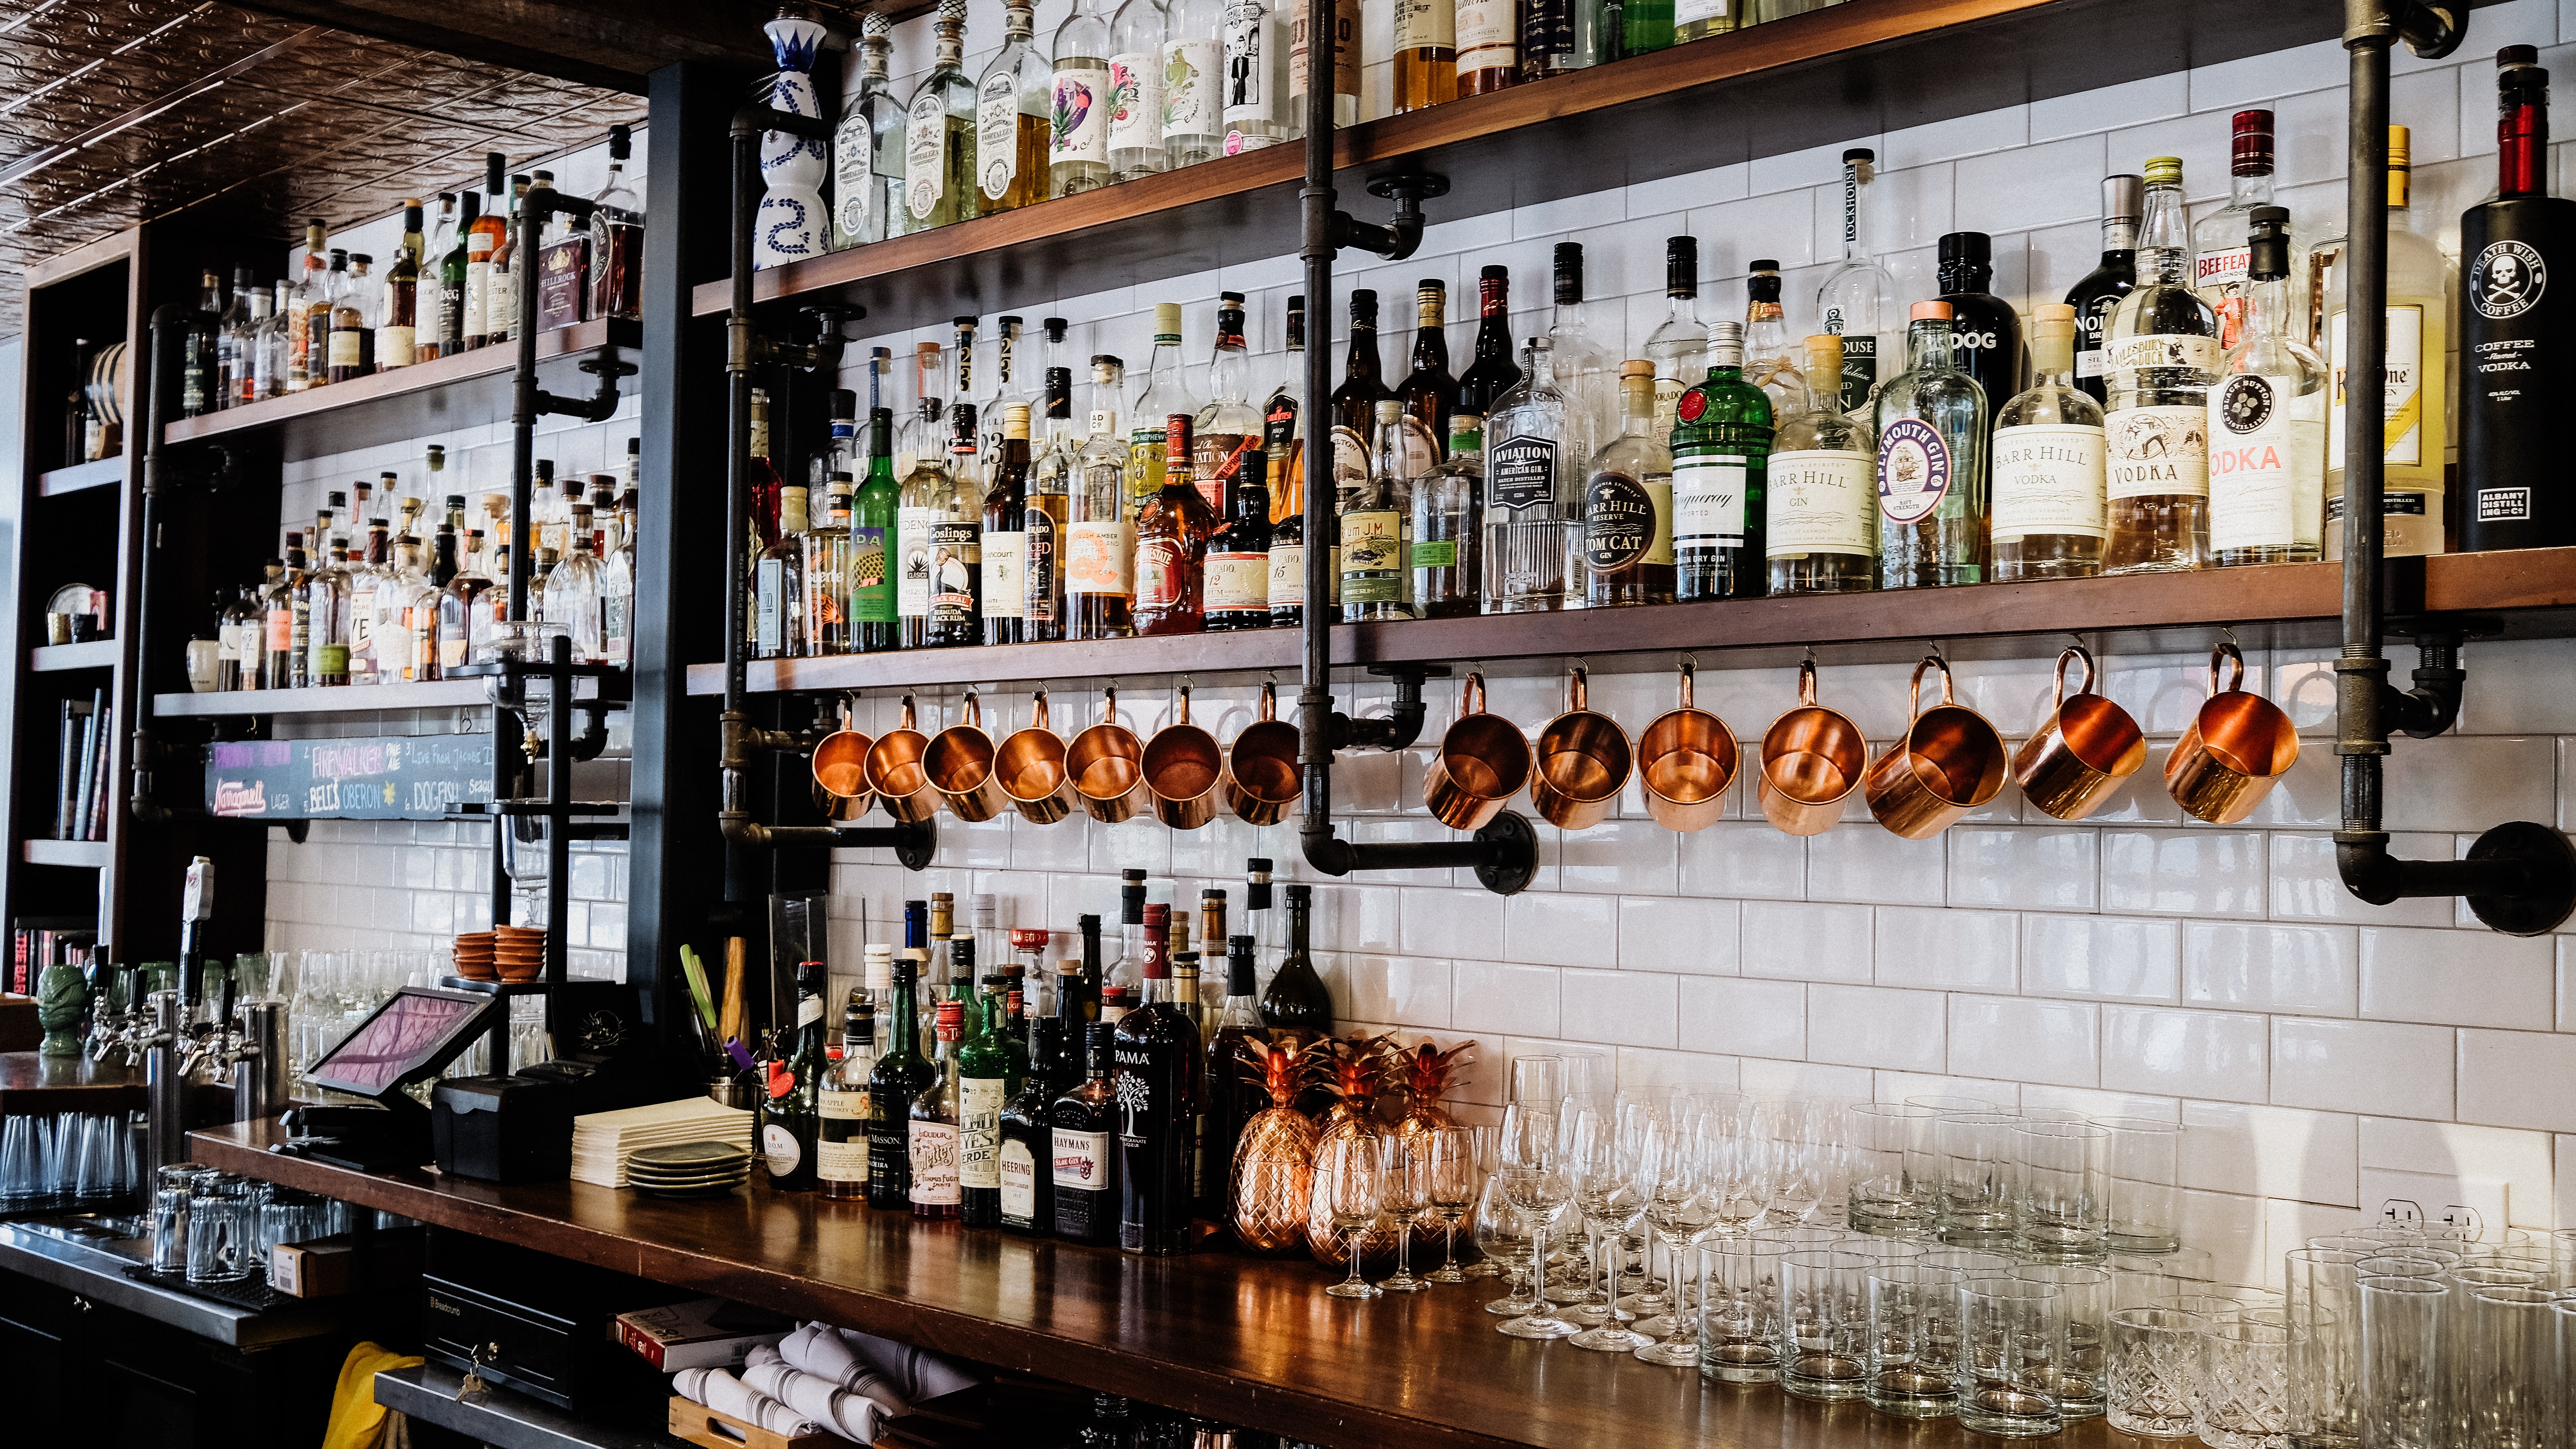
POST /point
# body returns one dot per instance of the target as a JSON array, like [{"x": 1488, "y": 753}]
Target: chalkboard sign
[{"x": 388, "y": 777}]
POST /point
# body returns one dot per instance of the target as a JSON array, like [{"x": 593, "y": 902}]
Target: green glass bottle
[
  {"x": 792, "y": 1119},
  {"x": 872, "y": 538},
  {"x": 901, "y": 1074},
  {"x": 1721, "y": 449},
  {"x": 984, "y": 1088}
]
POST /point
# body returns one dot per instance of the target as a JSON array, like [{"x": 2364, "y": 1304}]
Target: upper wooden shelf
[
  {"x": 344, "y": 699},
  {"x": 2535, "y": 590},
  {"x": 1856, "y": 69},
  {"x": 80, "y": 477},
  {"x": 88, "y": 654},
  {"x": 407, "y": 402},
  {"x": 90, "y": 854}
]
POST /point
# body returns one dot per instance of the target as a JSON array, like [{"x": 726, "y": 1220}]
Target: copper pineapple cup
[
  {"x": 840, "y": 765},
  {"x": 1107, "y": 764},
  {"x": 1484, "y": 760},
  {"x": 895, "y": 771},
  {"x": 1685, "y": 760},
  {"x": 1031, "y": 766},
  {"x": 1812, "y": 759},
  {"x": 960, "y": 764},
  {"x": 1949, "y": 762},
  {"x": 1261, "y": 780},
  {"x": 1182, "y": 766},
  {"x": 2238, "y": 747},
  {"x": 2087, "y": 747},
  {"x": 1583, "y": 759}
]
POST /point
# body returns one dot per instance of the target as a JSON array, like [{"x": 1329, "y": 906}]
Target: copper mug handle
[
  {"x": 1106, "y": 763},
  {"x": 1812, "y": 759},
  {"x": 1583, "y": 761},
  {"x": 896, "y": 772},
  {"x": 2238, "y": 747},
  {"x": 2082, "y": 752},
  {"x": 1031, "y": 766},
  {"x": 1949, "y": 761},
  {"x": 1482, "y": 762},
  {"x": 1686, "y": 759},
  {"x": 1182, "y": 764},
  {"x": 840, "y": 768},
  {"x": 959, "y": 762},
  {"x": 1261, "y": 779}
]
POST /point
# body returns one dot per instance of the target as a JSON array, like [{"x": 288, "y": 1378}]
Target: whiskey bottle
[
  {"x": 876, "y": 525},
  {"x": 1429, "y": 393},
  {"x": 1028, "y": 1149},
  {"x": 1373, "y": 522},
  {"x": 1628, "y": 504},
  {"x": 1354, "y": 402},
  {"x": 827, "y": 573},
  {"x": 1931, "y": 475},
  {"x": 1232, "y": 1095},
  {"x": 779, "y": 611},
  {"x": 1193, "y": 82},
  {"x": 2164, "y": 354},
  {"x": 1447, "y": 528},
  {"x": 320, "y": 304},
  {"x": 1491, "y": 370},
  {"x": 2221, "y": 261},
  {"x": 1135, "y": 96},
  {"x": 1982, "y": 325},
  {"x": 1171, "y": 544},
  {"x": 1078, "y": 141},
  {"x": 985, "y": 1085},
  {"x": 2267, "y": 446},
  {"x": 1679, "y": 347},
  {"x": 1013, "y": 101},
  {"x": 1166, "y": 392},
  {"x": 616, "y": 279},
  {"x": 900, "y": 1075},
  {"x": 1228, "y": 429},
  {"x": 936, "y": 1119},
  {"x": 398, "y": 328},
  {"x": 2097, "y": 295},
  {"x": 482, "y": 239},
  {"x": 1531, "y": 519},
  {"x": 1857, "y": 301},
  {"x": 1489, "y": 45},
  {"x": 2049, "y": 507},
  {"x": 1721, "y": 448},
  {"x": 1296, "y": 999},
  {"x": 1426, "y": 55},
  {"x": 2513, "y": 329},
  {"x": 791, "y": 1124},
  {"x": 1158, "y": 1059},
  {"x": 841, "y": 1143},
  {"x": 1285, "y": 454},
  {"x": 1005, "y": 538},
  {"x": 348, "y": 336},
  {"x": 1082, "y": 1128},
  {"x": 939, "y": 131},
  {"x": 1820, "y": 505},
  {"x": 1238, "y": 553},
  {"x": 1100, "y": 534}
]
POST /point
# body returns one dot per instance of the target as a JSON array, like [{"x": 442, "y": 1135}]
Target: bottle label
[
  {"x": 2163, "y": 350},
  {"x": 1079, "y": 128},
  {"x": 1520, "y": 473},
  {"x": 1693, "y": 12},
  {"x": 1018, "y": 1168},
  {"x": 330, "y": 659},
  {"x": 1547, "y": 31},
  {"x": 1136, "y": 102},
  {"x": 1100, "y": 558},
  {"x": 1626, "y": 521},
  {"x": 979, "y": 1131},
  {"x": 1238, "y": 582},
  {"x": 871, "y": 592},
  {"x": 934, "y": 1163},
  {"x": 2507, "y": 279},
  {"x": 1860, "y": 369},
  {"x": 2266, "y": 464},
  {"x": 1039, "y": 581},
  {"x": 1439, "y": 553},
  {"x": 1913, "y": 470},
  {"x": 842, "y": 1161},
  {"x": 281, "y": 631},
  {"x": 1081, "y": 1162},
  {"x": 1708, "y": 502},
  {"x": 1288, "y": 576},
  {"x": 2092, "y": 362},
  {"x": 1488, "y": 35},
  {"x": 395, "y": 346},
  {"x": 1247, "y": 63},
  {"x": 1006, "y": 579},
  {"x": 1816, "y": 502},
  {"x": 1346, "y": 62},
  {"x": 1372, "y": 557},
  {"x": 362, "y": 618},
  {"x": 843, "y": 1106},
  {"x": 853, "y": 180},
  {"x": 956, "y": 569},
  {"x": 344, "y": 350},
  {"x": 2402, "y": 404},
  {"x": 925, "y": 146},
  {"x": 1425, "y": 25},
  {"x": 997, "y": 133},
  {"x": 241, "y": 644},
  {"x": 2049, "y": 479},
  {"x": 2223, "y": 278},
  {"x": 1161, "y": 573},
  {"x": 478, "y": 289},
  {"x": 779, "y": 1144},
  {"x": 2158, "y": 452},
  {"x": 1193, "y": 97}
]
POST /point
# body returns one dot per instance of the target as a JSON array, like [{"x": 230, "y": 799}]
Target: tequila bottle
[
  {"x": 2048, "y": 518},
  {"x": 1857, "y": 301},
  {"x": 2097, "y": 295},
  {"x": 2164, "y": 354},
  {"x": 1346, "y": 64},
  {"x": 867, "y": 148},
  {"x": 1820, "y": 507},
  {"x": 1078, "y": 105},
  {"x": 2267, "y": 447},
  {"x": 1628, "y": 504},
  {"x": 1931, "y": 425},
  {"x": 1135, "y": 97},
  {"x": 1100, "y": 534},
  {"x": 1721, "y": 447},
  {"x": 1193, "y": 82},
  {"x": 928, "y": 498},
  {"x": 1012, "y": 104},
  {"x": 939, "y": 131},
  {"x": 1679, "y": 348},
  {"x": 1530, "y": 503}
]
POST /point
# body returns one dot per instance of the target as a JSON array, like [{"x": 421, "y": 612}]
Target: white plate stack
[{"x": 602, "y": 1141}]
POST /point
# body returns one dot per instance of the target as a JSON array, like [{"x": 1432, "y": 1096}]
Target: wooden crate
[{"x": 701, "y": 1425}]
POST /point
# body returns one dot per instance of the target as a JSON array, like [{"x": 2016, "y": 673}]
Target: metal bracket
[
  {"x": 2548, "y": 890},
  {"x": 1402, "y": 233},
  {"x": 1515, "y": 858}
]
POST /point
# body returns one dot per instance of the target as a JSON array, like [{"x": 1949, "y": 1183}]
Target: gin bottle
[
  {"x": 1447, "y": 526},
  {"x": 1858, "y": 299},
  {"x": 2220, "y": 260},
  {"x": 1628, "y": 504},
  {"x": 1374, "y": 521},
  {"x": 2048, "y": 502},
  {"x": 2163, "y": 356},
  {"x": 2267, "y": 446},
  {"x": 1931, "y": 463},
  {"x": 1529, "y": 493},
  {"x": 939, "y": 131},
  {"x": 1820, "y": 510},
  {"x": 1721, "y": 443},
  {"x": 1078, "y": 107}
]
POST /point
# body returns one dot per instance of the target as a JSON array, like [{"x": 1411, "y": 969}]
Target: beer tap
[{"x": 122, "y": 1029}]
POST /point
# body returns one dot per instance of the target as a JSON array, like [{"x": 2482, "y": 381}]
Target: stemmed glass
[
  {"x": 1791, "y": 1138},
  {"x": 1450, "y": 1155},
  {"x": 1534, "y": 1182},
  {"x": 1358, "y": 1169},
  {"x": 1682, "y": 1206},
  {"x": 1503, "y": 1235},
  {"x": 1606, "y": 1157},
  {"x": 1407, "y": 1193}
]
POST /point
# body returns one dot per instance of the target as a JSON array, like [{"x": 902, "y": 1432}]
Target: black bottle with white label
[
  {"x": 1983, "y": 327},
  {"x": 2097, "y": 295},
  {"x": 2514, "y": 321}
]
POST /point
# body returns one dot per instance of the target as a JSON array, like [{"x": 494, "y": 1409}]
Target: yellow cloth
[{"x": 357, "y": 1420}]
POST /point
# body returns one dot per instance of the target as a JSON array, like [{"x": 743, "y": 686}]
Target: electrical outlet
[
  {"x": 2465, "y": 1218},
  {"x": 2475, "y": 1205},
  {"x": 2400, "y": 1210}
]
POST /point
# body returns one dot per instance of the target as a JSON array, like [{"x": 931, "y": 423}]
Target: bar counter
[{"x": 1249, "y": 1341}]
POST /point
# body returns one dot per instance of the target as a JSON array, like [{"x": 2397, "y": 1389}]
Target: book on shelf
[
  {"x": 41, "y": 941},
  {"x": 86, "y": 764}
]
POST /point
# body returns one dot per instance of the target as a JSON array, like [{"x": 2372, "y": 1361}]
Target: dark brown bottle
[
  {"x": 1158, "y": 1081},
  {"x": 1494, "y": 367},
  {"x": 1297, "y": 1000},
  {"x": 1429, "y": 393},
  {"x": 901, "y": 1074},
  {"x": 1083, "y": 1133},
  {"x": 1354, "y": 403},
  {"x": 1028, "y": 1145},
  {"x": 1234, "y": 1090}
]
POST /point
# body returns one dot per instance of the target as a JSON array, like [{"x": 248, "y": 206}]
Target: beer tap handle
[{"x": 224, "y": 1008}]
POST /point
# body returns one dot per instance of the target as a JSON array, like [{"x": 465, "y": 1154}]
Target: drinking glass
[
  {"x": 1450, "y": 1157},
  {"x": 170, "y": 1201},
  {"x": 2242, "y": 1397},
  {"x": 1739, "y": 1311},
  {"x": 218, "y": 1228},
  {"x": 1534, "y": 1182},
  {"x": 1795, "y": 1158},
  {"x": 1503, "y": 1236},
  {"x": 2143, "y": 1162},
  {"x": 1605, "y": 1157},
  {"x": 1650, "y": 1300},
  {"x": 1977, "y": 1171},
  {"x": 2142, "y": 1280},
  {"x": 21, "y": 1160},
  {"x": 2085, "y": 1293},
  {"x": 2012, "y": 1338},
  {"x": 1949, "y": 1104},
  {"x": 2509, "y": 1384},
  {"x": 2321, "y": 1293},
  {"x": 1888, "y": 1195},
  {"x": 1824, "y": 1324},
  {"x": 1913, "y": 1340},
  {"x": 1356, "y": 1169},
  {"x": 1682, "y": 1206},
  {"x": 2401, "y": 1361},
  {"x": 2154, "y": 1363},
  {"x": 1406, "y": 1193},
  {"x": 2061, "y": 1212}
]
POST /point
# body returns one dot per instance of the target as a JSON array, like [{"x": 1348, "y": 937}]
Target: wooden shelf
[
  {"x": 92, "y": 854},
  {"x": 347, "y": 699},
  {"x": 407, "y": 402},
  {"x": 1856, "y": 69},
  {"x": 2535, "y": 589},
  {"x": 80, "y": 477},
  {"x": 92, "y": 654}
]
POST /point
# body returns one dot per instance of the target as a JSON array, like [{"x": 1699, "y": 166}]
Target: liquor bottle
[
  {"x": 482, "y": 239},
  {"x": 1354, "y": 403},
  {"x": 792, "y": 1119},
  {"x": 939, "y": 131},
  {"x": 1238, "y": 552},
  {"x": 231, "y": 364},
  {"x": 927, "y": 495},
  {"x": 301, "y": 357},
  {"x": 248, "y": 379},
  {"x": 1628, "y": 504},
  {"x": 201, "y": 387},
  {"x": 431, "y": 301},
  {"x": 1587, "y": 375},
  {"x": 934, "y": 1135},
  {"x": 1426, "y": 54},
  {"x": 1135, "y": 97},
  {"x": 398, "y": 330},
  {"x": 841, "y": 1136},
  {"x": 875, "y": 526},
  {"x": 1296, "y": 999},
  {"x": 1346, "y": 64},
  {"x": 985, "y": 1086},
  {"x": 1193, "y": 82},
  {"x": 1006, "y": 375},
  {"x": 1447, "y": 526},
  {"x": 616, "y": 249},
  {"x": 867, "y": 147},
  {"x": 2510, "y": 330},
  {"x": 2267, "y": 446},
  {"x": 458, "y": 604},
  {"x": 350, "y": 323},
  {"x": 2049, "y": 510},
  {"x": 1491, "y": 372},
  {"x": 1052, "y": 479},
  {"x": 1679, "y": 347},
  {"x": 900, "y": 1076},
  {"x": 1857, "y": 301},
  {"x": 321, "y": 310},
  {"x": 1551, "y": 42},
  {"x": 366, "y": 570},
  {"x": 326, "y": 621},
  {"x": 455, "y": 268},
  {"x": 240, "y": 631},
  {"x": 501, "y": 300},
  {"x": 1286, "y": 457},
  {"x": 280, "y": 604},
  {"x": 275, "y": 345},
  {"x": 1228, "y": 429},
  {"x": 1094, "y": 974},
  {"x": 1012, "y": 103},
  {"x": 1374, "y": 518},
  {"x": 1700, "y": 19},
  {"x": 2098, "y": 294},
  {"x": 1531, "y": 522},
  {"x": 780, "y": 611},
  {"x": 1158, "y": 1082},
  {"x": 2416, "y": 389},
  {"x": 1128, "y": 970},
  {"x": 842, "y": 453},
  {"x": 2219, "y": 255},
  {"x": 1082, "y": 1129},
  {"x": 1642, "y": 26},
  {"x": 1489, "y": 45},
  {"x": 1234, "y": 1095},
  {"x": 940, "y": 947},
  {"x": 1770, "y": 362},
  {"x": 1005, "y": 538},
  {"x": 1931, "y": 473},
  {"x": 1982, "y": 325},
  {"x": 828, "y": 568},
  {"x": 1172, "y": 542},
  {"x": 1078, "y": 103},
  {"x": 1820, "y": 508},
  {"x": 1429, "y": 393},
  {"x": 1721, "y": 448},
  {"x": 1028, "y": 1148},
  {"x": 1100, "y": 534},
  {"x": 2164, "y": 355},
  {"x": 1257, "y": 113},
  {"x": 1166, "y": 392}
]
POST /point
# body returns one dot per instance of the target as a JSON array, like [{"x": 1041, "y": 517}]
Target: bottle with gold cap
[
  {"x": 2161, "y": 355},
  {"x": 1005, "y": 558},
  {"x": 1931, "y": 482},
  {"x": 1819, "y": 505},
  {"x": 1628, "y": 504},
  {"x": 2047, "y": 518},
  {"x": 2417, "y": 388}
]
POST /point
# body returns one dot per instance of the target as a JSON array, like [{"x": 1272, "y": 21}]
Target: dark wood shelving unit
[
  {"x": 347, "y": 699},
  {"x": 88, "y": 654},
  {"x": 103, "y": 473},
  {"x": 86, "y": 854}
]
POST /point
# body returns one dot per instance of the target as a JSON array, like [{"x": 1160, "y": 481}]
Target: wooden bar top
[
  {"x": 1248, "y": 1341},
  {"x": 34, "y": 1083}
]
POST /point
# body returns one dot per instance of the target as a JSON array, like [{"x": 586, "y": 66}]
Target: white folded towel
[
  {"x": 726, "y": 1394},
  {"x": 818, "y": 1350},
  {"x": 917, "y": 1373},
  {"x": 841, "y": 1412}
]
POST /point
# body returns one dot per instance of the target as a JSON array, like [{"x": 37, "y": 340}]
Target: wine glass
[
  {"x": 1503, "y": 1235},
  {"x": 1604, "y": 1159},
  {"x": 1451, "y": 1155},
  {"x": 1534, "y": 1182},
  {"x": 1407, "y": 1193},
  {"x": 1356, "y": 1169},
  {"x": 1683, "y": 1206},
  {"x": 1637, "y": 1246}
]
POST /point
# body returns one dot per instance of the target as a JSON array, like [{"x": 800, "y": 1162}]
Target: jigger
[
  {"x": 1107, "y": 763},
  {"x": 1031, "y": 767},
  {"x": 1261, "y": 780},
  {"x": 1182, "y": 765},
  {"x": 2238, "y": 747},
  {"x": 2086, "y": 748},
  {"x": 896, "y": 774},
  {"x": 1950, "y": 762},
  {"x": 1583, "y": 761},
  {"x": 1812, "y": 759},
  {"x": 841, "y": 769},
  {"x": 1685, "y": 760},
  {"x": 1484, "y": 760},
  {"x": 960, "y": 764}
]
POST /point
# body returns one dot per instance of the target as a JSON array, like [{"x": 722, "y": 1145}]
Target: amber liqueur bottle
[
  {"x": 2514, "y": 325},
  {"x": 1158, "y": 1084},
  {"x": 1083, "y": 1134},
  {"x": 1172, "y": 543}
]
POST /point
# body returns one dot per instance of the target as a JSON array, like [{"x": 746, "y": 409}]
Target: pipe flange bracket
[
  {"x": 1515, "y": 858},
  {"x": 1418, "y": 185},
  {"x": 2549, "y": 888}
]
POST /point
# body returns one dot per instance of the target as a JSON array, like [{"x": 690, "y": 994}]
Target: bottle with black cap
[
  {"x": 1233, "y": 1089},
  {"x": 1297, "y": 1000},
  {"x": 1082, "y": 1128},
  {"x": 1679, "y": 347},
  {"x": 1982, "y": 325},
  {"x": 1857, "y": 300},
  {"x": 2097, "y": 294},
  {"x": 2514, "y": 329}
]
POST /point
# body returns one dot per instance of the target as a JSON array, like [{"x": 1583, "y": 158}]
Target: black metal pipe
[
  {"x": 559, "y": 677},
  {"x": 167, "y": 319}
]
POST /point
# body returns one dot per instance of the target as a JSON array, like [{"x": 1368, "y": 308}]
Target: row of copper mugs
[
  {"x": 1949, "y": 761},
  {"x": 1109, "y": 772}
]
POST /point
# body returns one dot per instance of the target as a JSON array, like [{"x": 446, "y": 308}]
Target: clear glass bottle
[
  {"x": 1679, "y": 347},
  {"x": 1193, "y": 82},
  {"x": 939, "y": 131},
  {"x": 1448, "y": 527},
  {"x": 1375, "y": 518},
  {"x": 1078, "y": 102},
  {"x": 2267, "y": 447},
  {"x": 1257, "y": 113},
  {"x": 1820, "y": 506},
  {"x": 2417, "y": 392},
  {"x": 1136, "y": 90},
  {"x": 269, "y": 367},
  {"x": 1228, "y": 429},
  {"x": 572, "y": 589},
  {"x": 616, "y": 572},
  {"x": 2049, "y": 511},
  {"x": 1931, "y": 477},
  {"x": 232, "y": 335},
  {"x": 2163, "y": 356},
  {"x": 825, "y": 561},
  {"x": 406, "y": 627},
  {"x": 1721, "y": 448},
  {"x": 325, "y": 619},
  {"x": 1013, "y": 99},
  {"x": 1857, "y": 300},
  {"x": 435, "y": 239},
  {"x": 2097, "y": 294},
  {"x": 1770, "y": 360},
  {"x": 927, "y": 493},
  {"x": 1346, "y": 64},
  {"x": 457, "y": 603},
  {"x": 2219, "y": 257},
  {"x": 369, "y": 566},
  {"x": 841, "y": 1145},
  {"x": 1532, "y": 504},
  {"x": 1628, "y": 504},
  {"x": 1700, "y": 19},
  {"x": 1167, "y": 391},
  {"x": 866, "y": 193},
  {"x": 1426, "y": 54},
  {"x": 933, "y": 1134},
  {"x": 1100, "y": 534}
]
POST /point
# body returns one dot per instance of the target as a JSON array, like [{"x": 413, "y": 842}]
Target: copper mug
[
  {"x": 1183, "y": 764},
  {"x": 2080, "y": 756},
  {"x": 960, "y": 764},
  {"x": 1583, "y": 760},
  {"x": 1261, "y": 780},
  {"x": 896, "y": 773},
  {"x": 1685, "y": 761},
  {"x": 1484, "y": 760},
  {"x": 1812, "y": 759},
  {"x": 1949, "y": 762},
  {"x": 841, "y": 770},
  {"x": 1031, "y": 766},
  {"x": 2238, "y": 747},
  {"x": 1107, "y": 765}
]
